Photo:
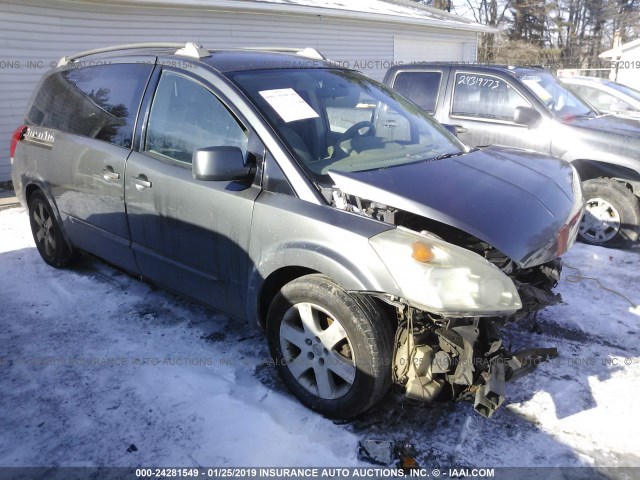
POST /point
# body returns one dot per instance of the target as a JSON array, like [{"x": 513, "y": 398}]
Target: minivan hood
[
  {"x": 611, "y": 124},
  {"x": 515, "y": 200}
]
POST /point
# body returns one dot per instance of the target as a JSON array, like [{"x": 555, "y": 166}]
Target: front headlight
[{"x": 439, "y": 277}]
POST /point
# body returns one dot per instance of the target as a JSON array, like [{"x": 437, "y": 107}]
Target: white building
[
  {"x": 626, "y": 63},
  {"x": 365, "y": 35}
]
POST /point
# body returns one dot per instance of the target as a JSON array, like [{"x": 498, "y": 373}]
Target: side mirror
[
  {"x": 527, "y": 116},
  {"x": 219, "y": 163}
]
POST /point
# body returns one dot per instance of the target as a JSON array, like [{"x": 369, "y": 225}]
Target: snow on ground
[{"x": 93, "y": 361}]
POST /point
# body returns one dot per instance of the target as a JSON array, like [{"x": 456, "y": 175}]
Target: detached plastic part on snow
[
  {"x": 491, "y": 395},
  {"x": 502, "y": 369},
  {"x": 377, "y": 452},
  {"x": 385, "y": 453}
]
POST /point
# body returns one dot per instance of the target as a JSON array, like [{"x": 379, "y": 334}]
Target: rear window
[
  {"x": 98, "y": 102},
  {"x": 419, "y": 87}
]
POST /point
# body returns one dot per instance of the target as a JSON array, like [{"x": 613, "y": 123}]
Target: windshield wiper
[{"x": 454, "y": 154}]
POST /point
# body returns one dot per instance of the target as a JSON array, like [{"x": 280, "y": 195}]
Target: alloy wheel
[
  {"x": 45, "y": 233},
  {"x": 601, "y": 221},
  {"x": 317, "y": 351}
]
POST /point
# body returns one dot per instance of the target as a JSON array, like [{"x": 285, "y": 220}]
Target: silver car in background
[{"x": 606, "y": 95}]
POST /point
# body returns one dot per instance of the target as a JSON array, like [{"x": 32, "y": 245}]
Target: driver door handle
[
  {"x": 461, "y": 129},
  {"x": 142, "y": 182},
  {"x": 108, "y": 173}
]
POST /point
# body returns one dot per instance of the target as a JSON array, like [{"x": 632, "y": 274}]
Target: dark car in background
[
  {"x": 272, "y": 187},
  {"x": 529, "y": 108}
]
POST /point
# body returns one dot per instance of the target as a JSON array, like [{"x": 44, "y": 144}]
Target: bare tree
[{"x": 566, "y": 33}]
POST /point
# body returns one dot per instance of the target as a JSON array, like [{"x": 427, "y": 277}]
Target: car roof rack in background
[{"x": 190, "y": 49}]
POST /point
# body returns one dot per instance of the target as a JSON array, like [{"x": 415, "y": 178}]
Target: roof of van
[
  {"x": 223, "y": 60},
  {"x": 243, "y": 60}
]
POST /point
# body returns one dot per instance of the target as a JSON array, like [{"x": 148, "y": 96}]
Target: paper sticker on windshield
[{"x": 288, "y": 104}]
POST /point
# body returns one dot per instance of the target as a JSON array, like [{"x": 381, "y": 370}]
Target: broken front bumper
[{"x": 464, "y": 356}]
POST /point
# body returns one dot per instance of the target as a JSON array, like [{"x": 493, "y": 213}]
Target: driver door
[
  {"x": 189, "y": 235},
  {"x": 482, "y": 108}
]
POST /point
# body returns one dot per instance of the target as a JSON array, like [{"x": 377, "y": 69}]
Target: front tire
[
  {"x": 332, "y": 349},
  {"x": 47, "y": 233},
  {"x": 612, "y": 214}
]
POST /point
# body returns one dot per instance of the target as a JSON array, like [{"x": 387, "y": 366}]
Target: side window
[
  {"x": 98, "y": 102},
  {"x": 419, "y": 87},
  {"x": 49, "y": 108},
  {"x": 186, "y": 116},
  {"x": 485, "y": 96}
]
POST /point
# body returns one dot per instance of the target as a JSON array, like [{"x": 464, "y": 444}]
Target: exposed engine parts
[
  {"x": 375, "y": 210},
  {"x": 464, "y": 357}
]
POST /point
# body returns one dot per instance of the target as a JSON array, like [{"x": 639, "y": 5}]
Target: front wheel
[
  {"x": 47, "y": 233},
  {"x": 331, "y": 348},
  {"x": 612, "y": 214}
]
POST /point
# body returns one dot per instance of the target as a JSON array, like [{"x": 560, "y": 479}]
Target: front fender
[
  {"x": 589, "y": 169},
  {"x": 599, "y": 153},
  {"x": 291, "y": 233}
]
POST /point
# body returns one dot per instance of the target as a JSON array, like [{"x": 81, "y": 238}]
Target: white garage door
[{"x": 411, "y": 49}]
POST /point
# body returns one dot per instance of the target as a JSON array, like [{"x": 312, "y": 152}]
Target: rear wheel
[
  {"x": 612, "y": 214},
  {"x": 331, "y": 348},
  {"x": 47, "y": 233}
]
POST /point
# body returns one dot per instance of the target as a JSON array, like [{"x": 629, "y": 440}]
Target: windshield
[
  {"x": 343, "y": 121},
  {"x": 555, "y": 96},
  {"x": 635, "y": 94}
]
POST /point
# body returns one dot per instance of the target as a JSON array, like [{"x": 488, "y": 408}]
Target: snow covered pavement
[{"x": 93, "y": 361}]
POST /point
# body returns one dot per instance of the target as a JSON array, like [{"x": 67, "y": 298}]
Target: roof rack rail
[
  {"x": 189, "y": 49},
  {"x": 308, "y": 52}
]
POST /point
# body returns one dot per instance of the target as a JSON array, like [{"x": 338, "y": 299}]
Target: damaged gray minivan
[{"x": 372, "y": 246}]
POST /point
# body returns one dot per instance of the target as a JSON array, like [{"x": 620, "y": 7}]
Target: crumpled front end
[
  {"x": 449, "y": 343},
  {"x": 456, "y": 299},
  {"x": 467, "y": 260}
]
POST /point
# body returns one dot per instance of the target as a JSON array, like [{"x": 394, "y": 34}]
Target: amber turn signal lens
[{"x": 422, "y": 252}]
